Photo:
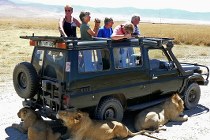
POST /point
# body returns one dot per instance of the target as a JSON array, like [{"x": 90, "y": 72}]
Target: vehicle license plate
[{"x": 46, "y": 43}]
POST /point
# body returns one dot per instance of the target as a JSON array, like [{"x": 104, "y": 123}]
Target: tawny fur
[
  {"x": 155, "y": 117},
  {"x": 81, "y": 127},
  {"x": 34, "y": 126}
]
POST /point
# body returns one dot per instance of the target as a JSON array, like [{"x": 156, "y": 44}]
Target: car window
[
  {"x": 127, "y": 57},
  {"x": 93, "y": 60},
  {"x": 157, "y": 59},
  {"x": 54, "y": 64},
  {"x": 38, "y": 60}
]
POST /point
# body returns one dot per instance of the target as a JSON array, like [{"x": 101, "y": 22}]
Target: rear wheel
[
  {"x": 25, "y": 80},
  {"x": 192, "y": 96},
  {"x": 109, "y": 109}
]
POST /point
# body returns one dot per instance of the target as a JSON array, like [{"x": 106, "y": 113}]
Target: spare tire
[{"x": 25, "y": 80}]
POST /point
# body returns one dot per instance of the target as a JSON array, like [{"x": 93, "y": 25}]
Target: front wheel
[
  {"x": 109, "y": 109},
  {"x": 192, "y": 96}
]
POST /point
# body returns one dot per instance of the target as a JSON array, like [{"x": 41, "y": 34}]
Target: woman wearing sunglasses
[{"x": 68, "y": 24}]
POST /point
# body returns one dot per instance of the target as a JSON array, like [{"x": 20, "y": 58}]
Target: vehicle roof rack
[
  {"x": 49, "y": 38},
  {"x": 155, "y": 42},
  {"x": 75, "y": 43}
]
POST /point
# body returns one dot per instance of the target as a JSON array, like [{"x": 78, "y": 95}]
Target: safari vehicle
[{"x": 105, "y": 77}]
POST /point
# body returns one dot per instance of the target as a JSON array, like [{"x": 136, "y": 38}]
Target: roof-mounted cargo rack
[
  {"x": 155, "y": 41},
  {"x": 69, "y": 42},
  {"x": 75, "y": 43}
]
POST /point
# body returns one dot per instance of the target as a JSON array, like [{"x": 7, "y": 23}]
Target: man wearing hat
[{"x": 106, "y": 31}]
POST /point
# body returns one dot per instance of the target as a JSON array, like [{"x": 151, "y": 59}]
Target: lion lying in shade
[
  {"x": 155, "y": 117},
  {"x": 81, "y": 127},
  {"x": 35, "y": 126}
]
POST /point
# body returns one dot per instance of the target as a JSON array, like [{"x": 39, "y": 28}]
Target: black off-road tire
[
  {"x": 25, "y": 80},
  {"x": 109, "y": 109},
  {"x": 192, "y": 96}
]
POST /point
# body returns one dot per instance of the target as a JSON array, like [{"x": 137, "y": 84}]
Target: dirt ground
[{"x": 196, "y": 128}]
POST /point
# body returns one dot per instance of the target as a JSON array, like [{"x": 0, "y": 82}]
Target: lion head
[
  {"x": 26, "y": 112},
  {"x": 178, "y": 102},
  {"x": 174, "y": 106},
  {"x": 72, "y": 118}
]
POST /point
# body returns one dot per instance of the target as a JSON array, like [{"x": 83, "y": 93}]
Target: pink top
[{"x": 118, "y": 30}]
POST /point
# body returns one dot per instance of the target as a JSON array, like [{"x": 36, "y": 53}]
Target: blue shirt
[{"x": 105, "y": 32}]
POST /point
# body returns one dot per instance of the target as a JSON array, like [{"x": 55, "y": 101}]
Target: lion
[
  {"x": 155, "y": 117},
  {"x": 35, "y": 126},
  {"x": 82, "y": 127}
]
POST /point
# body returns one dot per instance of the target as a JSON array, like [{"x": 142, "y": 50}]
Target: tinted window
[
  {"x": 93, "y": 60},
  {"x": 38, "y": 60},
  {"x": 54, "y": 64},
  {"x": 127, "y": 57},
  {"x": 157, "y": 59}
]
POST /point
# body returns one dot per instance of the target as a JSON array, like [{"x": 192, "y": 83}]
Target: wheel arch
[
  {"x": 196, "y": 78},
  {"x": 120, "y": 96}
]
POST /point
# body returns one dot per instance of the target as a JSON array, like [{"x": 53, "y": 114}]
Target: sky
[{"x": 188, "y": 5}]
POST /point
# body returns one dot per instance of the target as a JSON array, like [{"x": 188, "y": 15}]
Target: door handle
[{"x": 154, "y": 77}]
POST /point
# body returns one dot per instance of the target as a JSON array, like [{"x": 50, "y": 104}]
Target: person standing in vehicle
[
  {"x": 68, "y": 24},
  {"x": 86, "y": 32},
  {"x": 123, "y": 31},
  {"x": 135, "y": 21},
  {"x": 106, "y": 31}
]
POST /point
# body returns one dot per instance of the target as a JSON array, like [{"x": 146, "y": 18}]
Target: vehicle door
[
  {"x": 91, "y": 76},
  {"x": 130, "y": 73},
  {"x": 49, "y": 63},
  {"x": 164, "y": 76}
]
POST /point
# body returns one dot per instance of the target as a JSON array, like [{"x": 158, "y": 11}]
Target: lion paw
[
  {"x": 15, "y": 125},
  {"x": 18, "y": 127},
  {"x": 185, "y": 117}
]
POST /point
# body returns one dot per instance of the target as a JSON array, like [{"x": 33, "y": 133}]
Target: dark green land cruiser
[{"x": 104, "y": 77}]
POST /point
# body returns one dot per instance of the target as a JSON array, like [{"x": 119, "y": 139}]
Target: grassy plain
[
  {"x": 193, "y": 41},
  {"x": 183, "y": 33}
]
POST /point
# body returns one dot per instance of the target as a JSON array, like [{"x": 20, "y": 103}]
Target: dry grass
[
  {"x": 14, "y": 50},
  {"x": 183, "y": 34},
  {"x": 51, "y": 24}
]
